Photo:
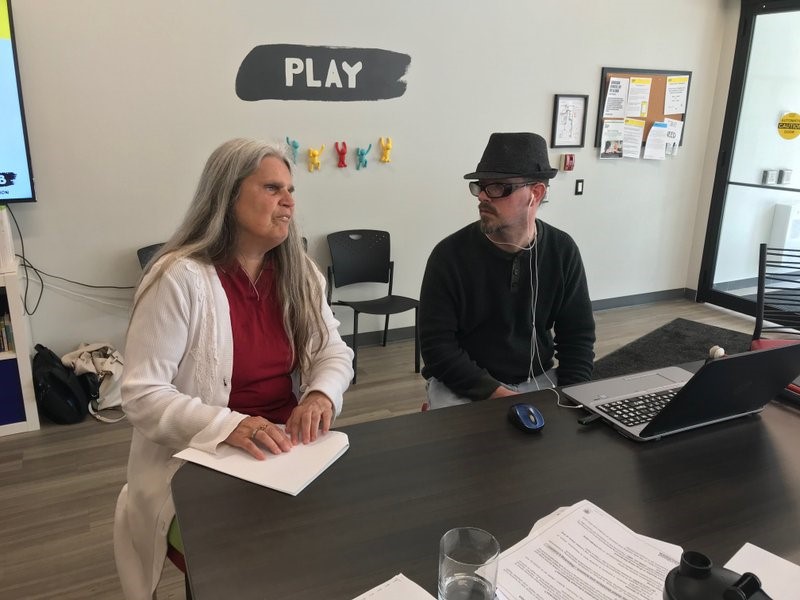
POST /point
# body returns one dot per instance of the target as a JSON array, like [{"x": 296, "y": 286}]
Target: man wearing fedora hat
[{"x": 505, "y": 298}]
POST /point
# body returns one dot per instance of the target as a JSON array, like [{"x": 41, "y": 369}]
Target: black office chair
[
  {"x": 777, "y": 297},
  {"x": 778, "y": 303},
  {"x": 148, "y": 252},
  {"x": 363, "y": 256}
]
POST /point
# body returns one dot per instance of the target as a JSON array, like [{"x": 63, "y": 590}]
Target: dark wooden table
[{"x": 382, "y": 507}]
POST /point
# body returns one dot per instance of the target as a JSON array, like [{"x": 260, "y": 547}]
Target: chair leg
[
  {"x": 386, "y": 330},
  {"x": 416, "y": 340},
  {"x": 355, "y": 345}
]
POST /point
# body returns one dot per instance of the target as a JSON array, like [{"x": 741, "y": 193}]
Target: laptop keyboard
[{"x": 639, "y": 409}]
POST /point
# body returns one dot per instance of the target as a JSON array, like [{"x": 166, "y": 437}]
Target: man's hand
[{"x": 502, "y": 392}]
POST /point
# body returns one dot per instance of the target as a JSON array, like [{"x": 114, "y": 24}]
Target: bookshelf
[{"x": 18, "y": 410}]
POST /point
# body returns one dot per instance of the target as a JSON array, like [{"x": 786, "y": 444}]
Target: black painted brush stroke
[{"x": 261, "y": 75}]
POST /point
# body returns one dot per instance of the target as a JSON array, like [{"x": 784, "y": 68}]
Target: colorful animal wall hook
[
  {"x": 342, "y": 152},
  {"x": 313, "y": 158},
  {"x": 386, "y": 149},
  {"x": 294, "y": 146},
  {"x": 361, "y": 154}
]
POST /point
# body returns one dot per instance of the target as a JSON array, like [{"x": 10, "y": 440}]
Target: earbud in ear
[{"x": 531, "y": 202}]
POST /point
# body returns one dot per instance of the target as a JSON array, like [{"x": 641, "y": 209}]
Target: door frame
[{"x": 705, "y": 292}]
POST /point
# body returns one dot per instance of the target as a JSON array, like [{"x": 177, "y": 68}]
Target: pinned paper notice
[
  {"x": 632, "y": 141},
  {"x": 638, "y": 97},
  {"x": 674, "y": 130},
  {"x": 656, "y": 145},
  {"x": 616, "y": 97},
  {"x": 612, "y": 139},
  {"x": 676, "y": 94}
]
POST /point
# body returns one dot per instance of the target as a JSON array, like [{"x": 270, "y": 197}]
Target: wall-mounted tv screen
[{"x": 16, "y": 179}]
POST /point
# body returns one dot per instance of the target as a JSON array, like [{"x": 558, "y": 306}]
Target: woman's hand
[
  {"x": 252, "y": 431},
  {"x": 313, "y": 414}
]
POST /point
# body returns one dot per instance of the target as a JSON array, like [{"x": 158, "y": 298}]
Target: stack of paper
[
  {"x": 289, "y": 472},
  {"x": 580, "y": 552}
]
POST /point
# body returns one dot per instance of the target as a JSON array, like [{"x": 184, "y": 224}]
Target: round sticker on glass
[{"x": 789, "y": 126}]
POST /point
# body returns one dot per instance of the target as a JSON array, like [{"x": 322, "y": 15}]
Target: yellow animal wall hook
[
  {"x": 386, "y": 149},
  {"x": 313, "y": 158}
]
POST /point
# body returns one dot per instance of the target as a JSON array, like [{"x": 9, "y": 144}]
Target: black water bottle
[{"x": 696, "y": 578}]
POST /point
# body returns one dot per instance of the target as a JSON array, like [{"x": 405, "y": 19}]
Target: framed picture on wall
[{"x": 569, "y": 121}]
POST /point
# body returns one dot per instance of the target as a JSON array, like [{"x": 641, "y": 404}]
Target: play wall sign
[{"x": 331, "y": 74}]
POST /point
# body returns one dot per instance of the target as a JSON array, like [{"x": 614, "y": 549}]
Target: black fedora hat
[{"x": 514, "y": 155}]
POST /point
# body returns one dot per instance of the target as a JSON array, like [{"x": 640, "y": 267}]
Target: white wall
[{"x": 125, "y": 100}]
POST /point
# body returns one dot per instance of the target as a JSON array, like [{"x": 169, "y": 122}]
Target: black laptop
[{"x": 649, "y": 405}]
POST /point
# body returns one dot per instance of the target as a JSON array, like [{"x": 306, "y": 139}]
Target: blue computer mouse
[{"x": 526, "y": 416}]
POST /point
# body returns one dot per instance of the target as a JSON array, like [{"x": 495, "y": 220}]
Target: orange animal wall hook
[
  {"x": 313, "y": 158},
  {"x": 386, "y": 149}
]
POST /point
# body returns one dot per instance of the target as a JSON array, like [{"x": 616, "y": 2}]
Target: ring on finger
[{"x": 256, "y": 430}]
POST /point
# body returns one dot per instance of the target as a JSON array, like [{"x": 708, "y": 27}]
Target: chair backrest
[
  {"x": 146, "y": 253},
  {"x": 778, "y": 292},
  {"x": 359, "y": 256}
]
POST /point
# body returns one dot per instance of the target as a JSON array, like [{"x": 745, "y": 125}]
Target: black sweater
[{"x": 475, "y": 312}]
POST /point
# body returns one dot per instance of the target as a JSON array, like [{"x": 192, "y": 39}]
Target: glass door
[{"x": 756, "y": 196}]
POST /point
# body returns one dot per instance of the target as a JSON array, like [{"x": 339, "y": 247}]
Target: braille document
[
  {"x": 581, "y": 552},
  {"x": 398, "y": 587},
  {"x": 289, "y": 472}
]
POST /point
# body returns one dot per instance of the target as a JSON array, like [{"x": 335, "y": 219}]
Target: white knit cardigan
[{"x": 175, "y": 389}]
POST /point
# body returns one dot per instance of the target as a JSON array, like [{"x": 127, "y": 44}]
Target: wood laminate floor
[{"x": 58, "y": 486}]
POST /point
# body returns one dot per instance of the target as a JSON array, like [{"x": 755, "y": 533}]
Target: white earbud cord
[{"x": 533, "y": 266}]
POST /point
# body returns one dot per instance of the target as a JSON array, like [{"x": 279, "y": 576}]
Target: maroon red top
[{"x": 262, "y": 358}]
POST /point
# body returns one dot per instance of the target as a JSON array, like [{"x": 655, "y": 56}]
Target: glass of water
[{"x": 468, "y": 559}]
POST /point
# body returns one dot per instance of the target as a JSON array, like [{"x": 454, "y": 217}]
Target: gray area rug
[{"x": 679, "y": 341}]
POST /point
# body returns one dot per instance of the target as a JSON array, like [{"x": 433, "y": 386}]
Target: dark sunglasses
[{"x": 496, "y": 189}]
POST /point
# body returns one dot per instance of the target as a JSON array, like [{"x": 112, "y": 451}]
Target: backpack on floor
[{"x": 59, "y": 393}]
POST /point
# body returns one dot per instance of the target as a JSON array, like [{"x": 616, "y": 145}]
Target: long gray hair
[{"x": 209, "y": 233}]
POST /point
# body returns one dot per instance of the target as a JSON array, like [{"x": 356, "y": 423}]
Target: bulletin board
[{"x": 658, "y": 88}]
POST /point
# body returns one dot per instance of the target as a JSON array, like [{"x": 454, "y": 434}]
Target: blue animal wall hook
[
  {"x": 361, "y": 153},
  {"x": 294, "y": 146}
]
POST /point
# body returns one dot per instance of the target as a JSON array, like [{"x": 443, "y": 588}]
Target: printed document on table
[
  {"x": 780, "y": 579},
  {"x": 289, "y": 472},
  {"x": 585, "y": 553},
  {"x": 398, "y": 587}
]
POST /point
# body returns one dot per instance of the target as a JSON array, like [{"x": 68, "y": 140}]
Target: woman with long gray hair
[{"x": 230, "y": 336}]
